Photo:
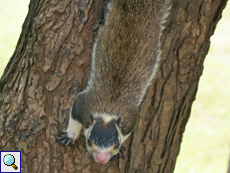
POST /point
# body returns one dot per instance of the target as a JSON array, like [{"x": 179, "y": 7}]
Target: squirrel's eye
[
  {"x": 89, "y": 142},
  {"x": 116, "y": 145}
]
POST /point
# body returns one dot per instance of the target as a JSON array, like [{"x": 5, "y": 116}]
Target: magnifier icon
[{"x": 9, "y": 160}]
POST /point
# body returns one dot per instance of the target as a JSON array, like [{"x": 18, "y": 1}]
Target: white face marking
[
  {"x": 121, "y": 137},
  {"x": 106, "y": 117},
  {"x": 102, "y": 154}
]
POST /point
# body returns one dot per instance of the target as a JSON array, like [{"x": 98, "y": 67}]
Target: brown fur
[{"x": 125, "y": 58}]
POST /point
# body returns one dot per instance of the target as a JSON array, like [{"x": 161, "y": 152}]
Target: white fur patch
[
  {"x": 74, "y": 128},
  {"x": 121, "y": 137},
  {"x": 93, "y": 70},
  {"x": 106, "y": 117}
]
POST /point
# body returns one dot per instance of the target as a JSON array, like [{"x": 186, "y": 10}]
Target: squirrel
[{"x": 124, "y": 61}]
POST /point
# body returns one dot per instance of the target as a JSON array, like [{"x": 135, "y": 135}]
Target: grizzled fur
[{"x": 125, "y": 59}]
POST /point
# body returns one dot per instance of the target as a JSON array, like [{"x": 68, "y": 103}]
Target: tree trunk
[
  {"x": 51, "y": 64},
  {"x": 229, "y": 165}
]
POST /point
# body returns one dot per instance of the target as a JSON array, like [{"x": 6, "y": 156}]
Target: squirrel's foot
[{"x": 66, "y": 138}]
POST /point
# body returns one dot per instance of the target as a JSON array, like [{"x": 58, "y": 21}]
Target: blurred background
[{"x": 206, "y": 141}]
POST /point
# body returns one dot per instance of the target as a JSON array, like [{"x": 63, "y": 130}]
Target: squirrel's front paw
[
  {"x": 65, "y": 138},
  {"x": 122, "y": 149},
  {"x": 120, "y": 154}
]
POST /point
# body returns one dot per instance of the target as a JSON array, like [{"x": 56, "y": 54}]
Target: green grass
[
  {"x": 12, "y": 15},
  {"x": 206, "y": 142}
]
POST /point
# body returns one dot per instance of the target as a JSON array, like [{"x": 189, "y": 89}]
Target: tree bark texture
[
  {"x": 229, "y": 165},
  {"x": 51, "y": 64}
]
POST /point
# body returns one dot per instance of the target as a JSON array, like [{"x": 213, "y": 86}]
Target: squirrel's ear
[
  {"x": 119, "y": 122},
  {"x": 91, "y": 119}
]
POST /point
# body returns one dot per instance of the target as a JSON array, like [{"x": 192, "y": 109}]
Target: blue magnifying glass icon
[{"x": 9, "y": 160}]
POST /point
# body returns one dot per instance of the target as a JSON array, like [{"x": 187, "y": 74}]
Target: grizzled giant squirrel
[{"x": 124, "y": 62}]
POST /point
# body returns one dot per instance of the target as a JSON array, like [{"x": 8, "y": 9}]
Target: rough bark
[
  {"x": 229, "y": 165},
  {"x": 51, "y": 64}
]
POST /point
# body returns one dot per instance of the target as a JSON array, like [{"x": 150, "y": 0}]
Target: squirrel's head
[{"x": 104, "y": 137}]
